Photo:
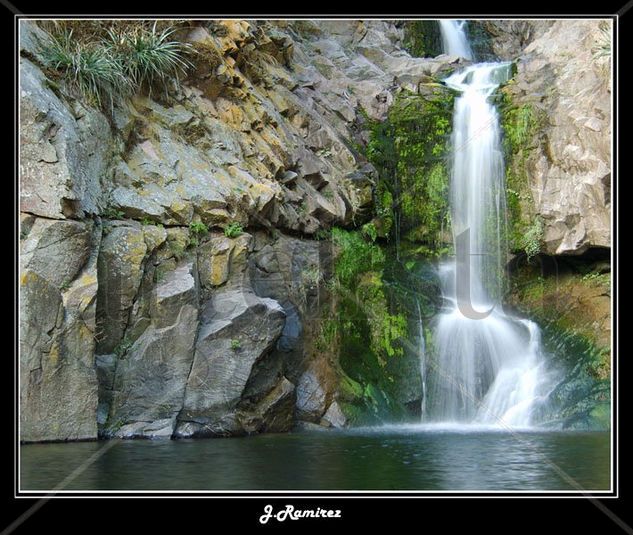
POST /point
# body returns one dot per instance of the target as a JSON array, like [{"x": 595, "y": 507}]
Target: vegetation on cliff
[
  {"x": 100, "y": 61},
  {"x": 521, "y": 125},
  {"x": 409, "y": 149},
  {"x": 422, "y": 38},
  {"x": 570, "y": 300}
]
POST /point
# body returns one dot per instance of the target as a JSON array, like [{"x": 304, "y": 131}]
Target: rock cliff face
[
  {"x": 172, "y": 266},
  {"x": 563, "y": 85}
]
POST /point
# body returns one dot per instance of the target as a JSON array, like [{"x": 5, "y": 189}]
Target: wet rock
[
  {"x": 311, "y": 397},
  {"x": 334, "y": 416},
  {"x": 273, "y": 414}
]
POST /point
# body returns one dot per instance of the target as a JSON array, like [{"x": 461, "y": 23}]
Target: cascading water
[
  {"x": 488, "y": 368},
  {"x": 422, "y": 357},
  {"x": 454, "y": 38}
]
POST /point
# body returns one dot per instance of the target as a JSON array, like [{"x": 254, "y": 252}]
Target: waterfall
[
  {"x": 454, "y": 38},
  {"x": 487, "y": 366}
]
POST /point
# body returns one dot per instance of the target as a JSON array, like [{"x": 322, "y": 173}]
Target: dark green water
[{"x": 392, "y": 459}]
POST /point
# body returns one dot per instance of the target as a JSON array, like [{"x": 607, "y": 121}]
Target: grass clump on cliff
[
  {"x": 92, "y": 71},
  {"x": 109, "y": 61}
]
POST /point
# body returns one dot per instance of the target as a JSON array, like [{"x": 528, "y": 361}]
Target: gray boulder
[
  {"x": 150, "y": 376},
  {"x": 237, "y": 329},
  {"x": 58, "y": 383}
]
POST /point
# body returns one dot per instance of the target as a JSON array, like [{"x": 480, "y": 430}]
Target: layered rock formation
[{"x": 133, "y": 316}]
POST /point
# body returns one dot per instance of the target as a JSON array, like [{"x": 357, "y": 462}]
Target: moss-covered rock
[
  {"x": 571, "y": 302},
  {"x": 409, "y": 151},
  {"x": 373, "y": 326},
  {"x": 422, "y": 38},
  {"x": 521, "y": 125}
]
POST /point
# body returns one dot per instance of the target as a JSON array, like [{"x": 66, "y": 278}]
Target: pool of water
[{"x": 389, "y": 458}]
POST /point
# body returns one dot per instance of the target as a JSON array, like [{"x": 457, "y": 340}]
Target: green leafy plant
[
  {"x": 233, "y": 230},
  {"x": 312, "y": 276},
  {"x": 322, "y": 234},
  {"x": 236, "y": 345},
  {"x": 533, "y": 239},
  {"x": 123, "y": 347},
  {"x": 113, "y": 213},
  {"x": 197, "y": 230},
  {"x": 198, "y": 227},
  {"x": 356, "y": 256},
  {"x": 369, "y": 230}
]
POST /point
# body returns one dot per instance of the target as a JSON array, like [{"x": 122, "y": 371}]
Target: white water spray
[{"x": 487, "y": 371}]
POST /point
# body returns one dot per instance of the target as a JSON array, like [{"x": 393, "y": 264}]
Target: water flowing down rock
[{"x": 489, "y": 366}]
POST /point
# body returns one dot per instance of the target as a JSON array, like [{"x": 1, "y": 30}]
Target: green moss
[
  {"x": 532, "y": 240},
  {"x": 422, "y": 38},
  {"x": 370, "y": 230},
  {"x": 356, "y": 256},
  {"x": 521, "y": 125},
  {"x": 409, "y": 151},
  {"x": 600, "y": 416},
  {"x": 570, "y": 340},
  {"x": 367, "y": 328},
  {"x": 198, "y": 228}
]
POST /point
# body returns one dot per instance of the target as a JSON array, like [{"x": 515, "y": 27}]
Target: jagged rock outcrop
[
  {"x": 237, "y": 330},
  {"x": 58, "y": 289},
  {"x": 565, "y": 81},
  {"x": 508, "y": 38},
  {"x": 64, "y": 151}
]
